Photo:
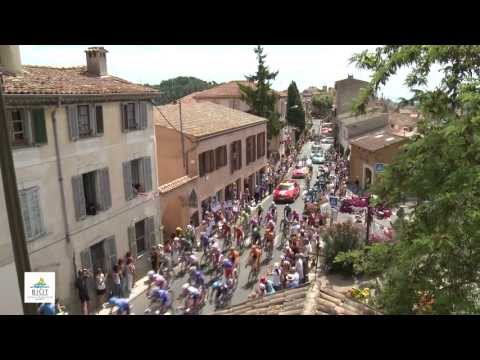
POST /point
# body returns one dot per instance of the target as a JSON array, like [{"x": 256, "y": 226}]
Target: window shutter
[
  {"x": 79, "y": 197},
  {"x": 103, "y": 189},
  {"x": 201, "y": 164},
  {"x": 149, "y": 232},
  {"x": 127, "y": 180},
  {"x": 132, "y": 241},
  {"x": 110, "y": 253},
  {"x": 123, "y": 116},
  {"x": 99, "y": 119},
  {"x": 147, "y": 168},
  {"x": 39, "y": 127},
  {"x": 137, "y": 116},
  {"x": 143, "y": 115},
  {"x": 86, "y": 259},
  {"x": 92, "y": 119},
  {"x": 35, "y": 214},
  {"x": 232, "y": 157},
  {"x": 72, "y": 117},
  {"x": 25, "y": 214},
  {"x": 240, "y": 154},
  {"x": 212, "y": 160},
  {"x": 254, "y": 148}
]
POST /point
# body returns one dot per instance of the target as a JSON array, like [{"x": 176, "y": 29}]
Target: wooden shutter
[
  {"x": 147, "y": 170},
  {"x": 104, "y": 195},
  {"x": 72, "y": 117},
  {"x": 137, "y": 116},
  {"x": 143, "y": 115},
  {"x": 123, "y": 116},
  {"x": 149, "y": 232},
  {"x": 201, "y": 164},
  {"x": 110, "y": 253},
  {"x": 212, "y": 160},
  {"x": 92, "y": 119},
  {"x": 232, "y": 157},
  {"x": 79, "y": 197},
  {"x": 127, "y": 180},
  {"x": 39, "y": 127},
  {"x": 99, "y": 119},
  {"x": 239, "y": 154},
  {"x": 132, "y": 241},
  {"x": 35, "y": 213},
  {"x": 86, "y": 259}
]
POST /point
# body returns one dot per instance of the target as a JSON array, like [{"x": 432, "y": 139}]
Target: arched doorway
[{"x": 367, "y": 178}]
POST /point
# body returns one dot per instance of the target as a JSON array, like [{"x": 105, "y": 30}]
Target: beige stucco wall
[
  {"x": 361, "y": 158},
  {"x": 37, "y": 166}
]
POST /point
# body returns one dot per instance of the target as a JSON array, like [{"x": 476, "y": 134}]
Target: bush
[{"x": 340, "y": 238}]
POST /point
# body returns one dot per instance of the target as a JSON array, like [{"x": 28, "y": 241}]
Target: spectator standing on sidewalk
[
  {"x": 130, "y": 274},
  {"x": 117, "y": 281},
  {"x": 101, "y": 287},
  {"x": 299, "y": 268},
  {"x": 257, "y": 193},
  {"x": 123, "y": 281},
  {"x": 82, "y": 285}
]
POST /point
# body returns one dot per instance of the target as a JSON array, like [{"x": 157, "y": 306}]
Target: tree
[
  {"x": 176, "y": 88},
  {"x": 295, "y": 112},
  {"x": 322, "y": 104},
  {"x": 437, "y": 256},
  {"x": 261, "y": 98}
]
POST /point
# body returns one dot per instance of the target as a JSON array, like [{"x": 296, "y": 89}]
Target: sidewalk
[{"x": 139, "y": 288}]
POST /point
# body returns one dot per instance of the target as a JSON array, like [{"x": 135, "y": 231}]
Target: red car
[
  {"x": 299, "y": 172},
  {"x": 288, "y": 190}
]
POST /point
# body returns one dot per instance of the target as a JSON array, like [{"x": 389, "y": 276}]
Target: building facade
[
  {"x": 346, "y": 91},
  {"x": 83, "y": 148},
  {"x": 224, "y": 151},
  {"x": 370, "y": 153},
  {"x": 354, "y": 126}
]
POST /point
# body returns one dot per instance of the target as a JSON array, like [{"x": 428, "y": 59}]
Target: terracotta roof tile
[
  {"x": 227, "y": 90},
  {"x": 204, "y": 118},
  {"x": 175, "y": 184},
  {"x": 377, "y": 141},
  {"x": 326, "y": 301},
  {"x": 63, "y": 81}
]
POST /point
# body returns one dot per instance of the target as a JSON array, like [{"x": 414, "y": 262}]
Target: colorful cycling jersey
[
  {"x": 194, "y": 292},
  {"x": 122, "y": 304},
  {"x": 217, "y": 284},
  {"x": 227, "y": 264},
  {"x": 199, "y": 278},
  {"x": 160, "y": 294}
]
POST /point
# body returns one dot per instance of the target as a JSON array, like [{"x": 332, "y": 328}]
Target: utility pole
[{"x": 12, "y": 202}]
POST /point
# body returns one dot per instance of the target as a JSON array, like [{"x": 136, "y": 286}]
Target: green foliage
[
  {"x": 174, "y": 89},
  {"x": 340, "y": 238},
  {"x": 438, "y": 252},
  {"x": 261, "y": 99},
  {"x": 295, "y": 111},
  {"x": 322, "y": 104},
  {"x": 370, "y": 260}
]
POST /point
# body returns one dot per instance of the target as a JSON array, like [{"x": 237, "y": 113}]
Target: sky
[{"x": 307, "y": 65}]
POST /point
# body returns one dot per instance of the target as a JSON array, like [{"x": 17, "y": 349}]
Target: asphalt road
[{"x": 244, "y": 289}]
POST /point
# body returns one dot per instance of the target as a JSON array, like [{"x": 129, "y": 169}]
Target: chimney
[
  {"x": 96, "y": 61},
  {"x": 350, "y": 76},
  {"x": 10, "y": 61}
]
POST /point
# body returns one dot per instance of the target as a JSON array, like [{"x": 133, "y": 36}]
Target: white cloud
[{"x": 307, "y": 65}]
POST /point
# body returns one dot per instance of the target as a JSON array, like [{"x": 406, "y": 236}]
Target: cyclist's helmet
[
  {"x": 151, "y": 274},
  {"x": 159, "y": 280},
  {"x": 193, "y": 269},
  {"x": 227, "y": 263},
  {"x": 263, "y": 280}
]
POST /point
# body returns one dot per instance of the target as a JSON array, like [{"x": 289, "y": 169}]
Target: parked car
[
  {"x": 316, "y": 148},
  {"x": 288, "y": 190}
]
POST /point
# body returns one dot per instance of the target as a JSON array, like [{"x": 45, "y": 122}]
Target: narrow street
[{"x": 140, "y": 303}]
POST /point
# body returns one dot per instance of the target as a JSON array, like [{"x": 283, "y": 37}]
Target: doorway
[
  {"x": 98, "y": 257},
  {"x": 367, "y": 178}
]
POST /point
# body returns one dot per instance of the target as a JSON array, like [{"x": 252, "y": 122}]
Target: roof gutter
[{"x": 52, "y": 99}]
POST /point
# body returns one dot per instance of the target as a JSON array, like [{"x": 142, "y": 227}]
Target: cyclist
[
  {"x": 47, "y": 309},
  {"x": 259, "y": 212},
  {"x": 239, "y": 236},
  {"x": 271, "y": 226},
  {"x": 295, "y": 215},
  {"x": 234, "y": 256},
  {"x": 205, "y": 241},
  {"x": 256, "y": 237},
  {"x": 273, "y": 209},
  {"x": 228, "y": 268},
  {"x": 160, "y": 282},
  {"x": 122, "y": 305},
  {"x": 161, "y": 296},
  {"x": 254, "y": 260},
  {"x": 178, "y": 232}
]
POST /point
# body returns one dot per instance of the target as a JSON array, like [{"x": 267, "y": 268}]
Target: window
[
  {"x": 137, "y": 177},
  {"x": 221, "y": 156},
  {"x": 260, "y": 145},
  {"x": 236, "y": 155},
  {"x": 27, "y": 127},
  {"x": 84, "y": 121},
  {"x": 31, "y": 213},
  {"x": 91, "y": 193},
  {"x": 141, "y": 236},
  {"x": 206, "y": 162},
  {"x": 134, "y": 116},
  {"x": 251, "y": 150},
  {"x": 101, "y": 255}
]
